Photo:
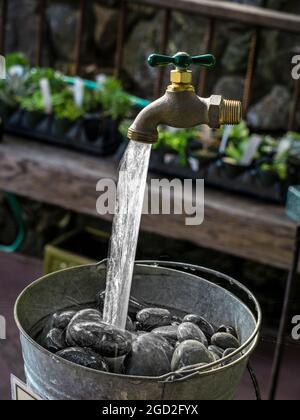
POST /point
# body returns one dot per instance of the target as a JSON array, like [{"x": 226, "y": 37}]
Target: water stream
[{"x": 126, "y": 226}]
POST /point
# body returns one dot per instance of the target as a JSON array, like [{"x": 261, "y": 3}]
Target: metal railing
[{"x": 256, "y": 18}]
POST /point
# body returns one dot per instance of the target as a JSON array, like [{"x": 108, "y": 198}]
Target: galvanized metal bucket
[{"x": 184, "y": 288}]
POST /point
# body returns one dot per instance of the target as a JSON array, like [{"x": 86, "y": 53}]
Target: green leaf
[
  {"x": 16, "y": 59},
  {"x": 33, "y": 103},
  {"x": 55, "y": 79},
  {"x": 113, "y": 99}
]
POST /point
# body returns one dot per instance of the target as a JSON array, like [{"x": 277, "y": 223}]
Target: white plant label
[
  {"x": 252, "y": 148},
  {"x": 2, "y": 68},
  {"x": 225, "y": 138},
  {"x": 46, "y": 92},
  {"x": 78, "y": 92}
]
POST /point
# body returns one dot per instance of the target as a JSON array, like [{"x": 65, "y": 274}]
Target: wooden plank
[
  {"x": 234, "y": 225},
  {"x": 223, "y": 10}
]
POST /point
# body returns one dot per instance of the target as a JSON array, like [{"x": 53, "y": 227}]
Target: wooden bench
[{"x": 235, "y": 225}]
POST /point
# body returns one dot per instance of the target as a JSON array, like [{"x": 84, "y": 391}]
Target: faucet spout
[
  {"x": 180, "y": 107},
  {"x": 183, "y": 109}
]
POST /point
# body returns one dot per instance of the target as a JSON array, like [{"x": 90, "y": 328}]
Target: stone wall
[{"x": 143, "y": 35}]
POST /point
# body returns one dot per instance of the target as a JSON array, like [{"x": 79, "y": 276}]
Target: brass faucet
[{"x": 180, "y": 107}]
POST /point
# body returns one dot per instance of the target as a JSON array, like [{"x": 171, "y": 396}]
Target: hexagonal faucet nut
[
  {"x": 214, "y": 111},
  {"x": 181, "y": 77},
  {"x": 224, "y": 112}
]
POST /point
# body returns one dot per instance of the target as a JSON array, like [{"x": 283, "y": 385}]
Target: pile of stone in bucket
[{"x": 156, "y": 342}]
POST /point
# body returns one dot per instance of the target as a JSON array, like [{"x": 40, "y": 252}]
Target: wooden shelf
[{"x": 234, "y": 225}]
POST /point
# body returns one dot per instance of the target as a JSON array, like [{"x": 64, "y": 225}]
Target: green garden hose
[
  {"x": 139, "y": 102},
  {"x": 15, "y": 208}
]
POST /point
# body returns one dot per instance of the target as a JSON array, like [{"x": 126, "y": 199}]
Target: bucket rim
[{"x": 170, "y": 377}]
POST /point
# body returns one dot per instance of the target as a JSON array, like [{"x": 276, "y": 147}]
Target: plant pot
[
  {"x": 93, "y": 127},
  {"x": 6, "y": 111},
  {"x": 205, "y": 157},
  {"x": 232, "y": 168},
  {"x": 111, "y": 130},
  {"x": 267, "y": 178},
  {"x": 32, "y": 119},
  {"x": 60, "y": 126}
]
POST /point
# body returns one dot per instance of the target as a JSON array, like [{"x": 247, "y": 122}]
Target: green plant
[
  {"x": 69, "y": 111},
  {"x": 114, "y": 100},
  {"x": 295, "y": 137},
  {"x": 55, "y": 78},
  {"x": 12, "y": 90},
  {"x": 65, "y": 108},
  {"x": 280, "y": 168},
  {"x": 237, "y": 142},
  {"x": 238, "y": 132},
  {"x": 33, "y": 103},
  {"x": 279, "y": 165},
  {"x": 16, "y": 59},
  {"x": 177, "y": 141},
  {"x": 14, "y": 86}
]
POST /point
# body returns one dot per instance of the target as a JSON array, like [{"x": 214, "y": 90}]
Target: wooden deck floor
[{"x": 17, "y": 272}]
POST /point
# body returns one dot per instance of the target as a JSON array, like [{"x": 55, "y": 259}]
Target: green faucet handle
[{"x": 182, "y": 60}]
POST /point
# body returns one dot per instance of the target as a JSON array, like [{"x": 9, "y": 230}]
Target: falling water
[{"x": 126, "y": 225}]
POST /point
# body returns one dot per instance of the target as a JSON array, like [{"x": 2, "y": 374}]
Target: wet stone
[
  {"x": 86, "y": 315},
  {"x": 151, "y": 318},
  {"x": 176, "y": 320},
  {"x": 166, "y": 345},
  {"x": 217, "y": 351},
  {"x": 104, "y": 339},
  {"x": 190, "y": 353},
  {"x": 134, "y": 305},
  {"x": 201, "y": 322},
  {"x": 55, "y": 340},
  {"x": 225, "y": 341},
  {"x": 149, "y": 356},
  {"x": 169, "y": 333},
  {"x": 61, "y": 320},
  {"x": 190, "y": 331},
  {"x": 228, "y": 330},
  {"x": 84, "y": 357},
  {"x": 92, "y": 315}
]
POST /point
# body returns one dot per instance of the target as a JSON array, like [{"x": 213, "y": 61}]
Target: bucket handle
[{"x": 254, "y": 382}]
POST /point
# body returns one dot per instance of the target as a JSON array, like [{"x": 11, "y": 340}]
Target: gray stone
[
  {"x": 190, "y": 353},
  {"x": 148, "y": 357},
  {"x": 231, "y": 87},
  {"x": 271, "y": 113},
  {"x": 189, "y": 331},
  {"x": 225, "y": 341}
]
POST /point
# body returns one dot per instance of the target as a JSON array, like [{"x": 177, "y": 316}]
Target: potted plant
[
  {"x": 231, "y": 163},
  {"x": 173, "y": 142},
  {"x": 65, "y": 112},
  {"x": 34, "y": 109},
  {"x": 204, "y": 147},
  {"x": 114, "y": 104},
  {"x": 55, "y": 78},
  {"x": 271, "y": 173},
  {"x": 276, "y": 170},
  {"x": 14, "y": 87},
  {"x": 237, "y": 144}
]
